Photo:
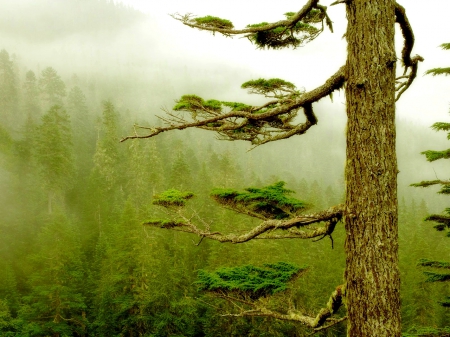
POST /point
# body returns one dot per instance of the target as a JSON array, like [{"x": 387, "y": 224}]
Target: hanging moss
[
  {"x": 270, "y": 201},
  {"x": 171, "y": 198},
  {"x": 255, "y": 281},
  {"x": 213, "y": 22}
]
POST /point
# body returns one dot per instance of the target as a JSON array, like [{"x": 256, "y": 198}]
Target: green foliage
[
  {"x": 438, "y": 71},
  {"x": 163, "y": 223},
  {"x": 432, "y": 263},
  {"x": 236, "y": 106},
  {"x": 427, "y": 332},
  {"x": 270, "y": 201},
  {"x": 436, "y": 277},
  {"x": 264, "y": 87},
  {"x": 441, "y": 126},
  {"x": 255, "y": 281},
  {"x": 287, "y": 36},
  {"x": 172, "y": 198},
  {"x": 54, "y": 148},
  {"x": 213, "y": 22},
  {"x": 52, "y": 87},
  {"x": 435, "y": 155},
  {"x": 194, "y": 103},
  {"x": 442, "y": 220},
  {"x": 426, "y": 183}
]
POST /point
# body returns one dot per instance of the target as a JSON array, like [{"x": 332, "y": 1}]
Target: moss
[
  {"x": 172, "y": 198},
  {"x": 213, "y": 22},
  {"x": 255, "y": 281}
]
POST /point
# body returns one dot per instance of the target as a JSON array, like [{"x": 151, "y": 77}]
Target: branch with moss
[
  {"x": 298, "y": 27},
  {"x": 265, "y": 291},
  {"x": 409, "y": 63},
  {"x": 266, "y": 229},
  {"x": 319, "y": 322},
  {"x": 257, "y": 124},
  {"x": 280, "y": 213}
]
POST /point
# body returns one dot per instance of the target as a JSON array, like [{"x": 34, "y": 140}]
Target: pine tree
[
  {"x": 440, "y": 269},
  {"x": 368, "y": 78},
  {"x": 56, "y": 305},
  {"x": 52, "y": 88},
  {"x": 54, "y": 153},
  {"x": 31, "y": 97},
  {"x": 8, "y": 89}
]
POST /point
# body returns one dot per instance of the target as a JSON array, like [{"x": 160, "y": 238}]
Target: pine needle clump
[
  {"x": 172, "y": 198},
  {"x": 213, "y": 22},
  {"x": 250, "y": 280},
  {"x": 271, "y": 202},
  {"x": 288, "y": 36}
]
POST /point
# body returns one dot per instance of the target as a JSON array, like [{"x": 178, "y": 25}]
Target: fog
[{"x": 121, "y": 63}]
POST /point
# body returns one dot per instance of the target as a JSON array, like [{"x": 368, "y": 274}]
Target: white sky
[{"x": 426, "y": 101}]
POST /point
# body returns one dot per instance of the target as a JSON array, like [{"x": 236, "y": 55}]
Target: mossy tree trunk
[{"x": 372, "y": 273}]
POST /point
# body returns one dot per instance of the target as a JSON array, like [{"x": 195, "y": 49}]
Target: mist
[{"x": 77, "y": 75}]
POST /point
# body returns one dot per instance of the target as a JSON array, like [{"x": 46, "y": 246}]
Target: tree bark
[{"x": 372, "y": 274}]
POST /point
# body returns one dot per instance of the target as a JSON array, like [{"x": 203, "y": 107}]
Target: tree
[
  {"x": 8, "y": 88},
  {"x": 31, "y": 99},
  {"x": 54, "y": 152},
  {"x": 442, "y": 220},
  {"x": 52, "y": 87},
  {"x": 372, "y": 279}
]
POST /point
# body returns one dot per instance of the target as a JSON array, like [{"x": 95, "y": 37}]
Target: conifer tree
[
  {"x": 52, "y": 87},
  {"x": 54, "y": 153},
  {"x": 372, "y": 278},
  {"x": 8, "y": 89},
  {"x": 440, "y": 269},
  {"x": 31, "y": 96},
  {"x": 56, "y": 304}
]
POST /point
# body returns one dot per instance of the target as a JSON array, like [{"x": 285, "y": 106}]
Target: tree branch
[
  {"x": 316, "y": 322},
  {"x": 408, "y": 61},
  {"x": 301, "y": 14},
  {"x": 259, "y": 128},
  {"x": 264, "y": 230}
]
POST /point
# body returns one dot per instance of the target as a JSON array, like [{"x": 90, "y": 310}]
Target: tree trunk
[{"x": 372, "y": 275}]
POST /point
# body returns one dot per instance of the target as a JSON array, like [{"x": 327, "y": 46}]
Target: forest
[{"x": 77, "y": 257}]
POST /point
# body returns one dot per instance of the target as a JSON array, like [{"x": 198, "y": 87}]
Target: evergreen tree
[
  {"x": 52, "y": 88},
  {"x": 8, "y": 89},
  {"x": 54, "y": 153},
  {"x": 56, "y": 304},
  {"x": 31, "y": 97},
  {"x": 368, "y": 78},
  {"x": 441, "y": 272}
]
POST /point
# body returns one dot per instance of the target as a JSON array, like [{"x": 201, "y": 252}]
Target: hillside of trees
[{"x": 77, "y": 261}]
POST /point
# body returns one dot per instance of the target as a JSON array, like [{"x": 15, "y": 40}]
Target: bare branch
[
  {"x": 316, "y": 322},
  {"x": 264, "y": 231},
  {"x": 259, "y": 128}
]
